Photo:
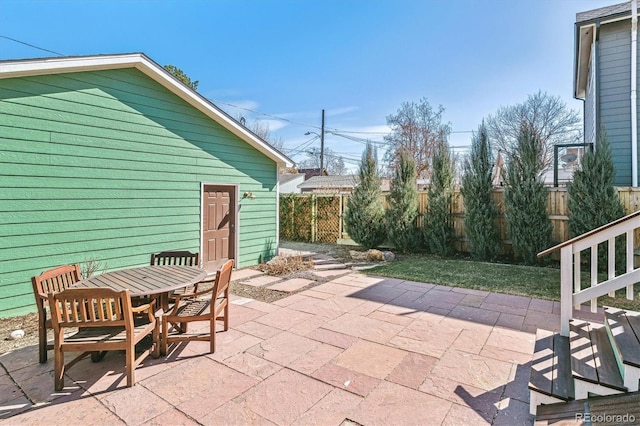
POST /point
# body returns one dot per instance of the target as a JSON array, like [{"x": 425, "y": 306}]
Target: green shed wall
[{"x": 109, "y": 165}]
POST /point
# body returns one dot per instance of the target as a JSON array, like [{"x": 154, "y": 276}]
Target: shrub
[
  {"x": 593, "y": 200},
  {"x": 526, "y": 197},
  {"x": 403, "y": 205},
  {"x": 477, "y": 187},
  {"x": 364, "y": 218},
  {"x": 438, "y": 225}
]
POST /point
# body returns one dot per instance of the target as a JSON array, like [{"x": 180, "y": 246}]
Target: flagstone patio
[{"x": 356, "y": 349}]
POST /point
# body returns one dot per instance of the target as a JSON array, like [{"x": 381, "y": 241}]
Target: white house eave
[
  {"x": 23, "y": 68},
  {"x": 586, "y": 36}
]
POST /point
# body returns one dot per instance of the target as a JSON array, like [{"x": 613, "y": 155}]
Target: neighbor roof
[
  {"x": 141, "y": 62},
  {"x": 288, "y": 177},
  {"x": 603, "y": 12},
  {"x": 348, "y": 181}
]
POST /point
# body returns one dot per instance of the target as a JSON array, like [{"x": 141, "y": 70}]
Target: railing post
[{"x": 566, "y": 293}]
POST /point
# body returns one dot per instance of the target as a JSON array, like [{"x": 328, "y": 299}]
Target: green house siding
[{"x": 109, "y": 165}]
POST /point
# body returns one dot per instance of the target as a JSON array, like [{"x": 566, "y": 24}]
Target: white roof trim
[{"x": 22, "y": 68}]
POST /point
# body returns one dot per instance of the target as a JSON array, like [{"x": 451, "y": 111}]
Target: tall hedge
[
  {"x": 438, "y": 225},
  {"x": 403, "y": 205},
  {"x": 364, "y": 218},
  {"x": 528, "y": 224},
  {"x": 480, "y": 208}
]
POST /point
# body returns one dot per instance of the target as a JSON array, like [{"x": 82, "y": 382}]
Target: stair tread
[
  {"x": 598, "y": 406},
  {"x": 592, "y": 357},
  {"x": 621, "y": 324},
  {"x": 582, "y": 362},
  {"x": 550, "y": 367}
]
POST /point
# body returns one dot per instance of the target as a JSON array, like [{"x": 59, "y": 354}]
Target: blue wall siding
[{"x": 615, "y": 88}]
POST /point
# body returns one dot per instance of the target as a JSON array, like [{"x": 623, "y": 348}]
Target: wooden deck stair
[
  {"x": 609, "y": 410},
  {"x": 595, "y": 360}
]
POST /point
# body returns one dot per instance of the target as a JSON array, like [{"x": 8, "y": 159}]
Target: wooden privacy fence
[{"x": 320, "y": 217}]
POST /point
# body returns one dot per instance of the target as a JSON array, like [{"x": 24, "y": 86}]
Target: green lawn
[{"x": 538, "y": 282}]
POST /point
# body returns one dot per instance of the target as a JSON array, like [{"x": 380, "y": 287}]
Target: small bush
[{"x": 281, "y": 265}]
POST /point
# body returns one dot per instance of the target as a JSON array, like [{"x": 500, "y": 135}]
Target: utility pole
[{"x": 322, "y": 147}]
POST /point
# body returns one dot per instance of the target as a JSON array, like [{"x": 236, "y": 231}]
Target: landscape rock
[
  {"x": 16, "y": 334},
  {"x": 388, "y": 256},
  {"x": 358, "y": 255}
]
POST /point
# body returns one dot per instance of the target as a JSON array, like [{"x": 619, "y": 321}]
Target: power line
[
  {"x": 264, "y": 113},
  {"x": 31, "y": 45}
]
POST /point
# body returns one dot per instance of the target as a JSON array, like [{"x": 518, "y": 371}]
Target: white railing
[{"x": 571, "y": 293}]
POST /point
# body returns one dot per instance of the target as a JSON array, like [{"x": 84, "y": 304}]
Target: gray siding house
[{"x": 605, "y": 78}]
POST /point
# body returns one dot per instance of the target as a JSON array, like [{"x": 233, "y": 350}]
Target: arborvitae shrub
[
  {"x": 593, "y": 199},
  {"x": 528, "y": 224},
  {"x": 403, "y": 205},
  {"x": 364, "y": 218},
  {"x": 438, "y": 232},
  {"x": 480, "y": 209}
]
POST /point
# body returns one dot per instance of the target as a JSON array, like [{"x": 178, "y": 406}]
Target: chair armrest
[{"x": 146, "y": 307}]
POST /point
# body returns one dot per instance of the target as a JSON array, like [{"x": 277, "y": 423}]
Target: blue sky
[{"x": 358, "y": 59}]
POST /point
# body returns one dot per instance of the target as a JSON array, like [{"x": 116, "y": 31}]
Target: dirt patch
[{"x": 28, "y": 323}]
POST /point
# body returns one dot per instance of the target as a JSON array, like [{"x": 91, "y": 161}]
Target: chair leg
[
  {"x": 42, "y": 340},
  {"x": 164, "y": 337},
  {"x": 130, "y": 359},
  {"x": 58, "y": 369},
  {"x": 212, "y": 338},
  {"x": 156, "y": 341},
  {"x": 226, "y": 315}
]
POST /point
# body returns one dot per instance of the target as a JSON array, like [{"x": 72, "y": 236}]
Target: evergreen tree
[
  {"x": 593, "y": 200},
  {"x": 438, "y": 226},
  {"x": 403, "y": 205},
  {"x": 364, "y": 218},
  {"x": 480, "y": 209},
  {"x": 526, "y": 197}
]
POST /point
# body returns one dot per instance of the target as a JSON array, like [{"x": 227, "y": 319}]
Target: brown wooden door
[{"x": 219, "y": 224}]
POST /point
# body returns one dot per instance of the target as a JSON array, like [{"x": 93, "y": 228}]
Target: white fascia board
[
  {"x": 10, "y": 69},
  {"x": 586, "y": 36}
]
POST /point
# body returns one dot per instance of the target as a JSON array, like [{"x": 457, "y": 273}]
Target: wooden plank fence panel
[{"x": 320, "y": 217}]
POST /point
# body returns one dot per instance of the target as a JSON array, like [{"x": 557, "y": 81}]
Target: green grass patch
[{"x": 531, "y": 281}]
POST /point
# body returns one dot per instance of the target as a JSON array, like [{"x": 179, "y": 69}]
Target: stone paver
[
  {"x": 391, "y": 404},
  {"x": 261, "y": 280},
  {"x": 244, "y": 274},
  {"x": 292, "y": 285},
  {"x": 369, "y": 349}
]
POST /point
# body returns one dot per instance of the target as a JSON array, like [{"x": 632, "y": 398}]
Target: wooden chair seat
[
  {"x": 198, "y": 306},
  {"x": 105, "y": 321}
]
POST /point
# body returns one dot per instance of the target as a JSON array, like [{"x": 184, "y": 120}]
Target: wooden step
[
  {"x": 593, "y": 362},
  {"x": 615, "y": 409},
  {"x": 550, "y": 379},
  {"x": 624, "y": 333}
]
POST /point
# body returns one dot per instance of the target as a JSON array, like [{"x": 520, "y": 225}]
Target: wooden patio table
[{"x": 155, "y": 281}]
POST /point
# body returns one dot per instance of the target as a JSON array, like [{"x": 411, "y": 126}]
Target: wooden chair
[
  {"x": 105, "y": 319},
  {"x": 182, "y": 258},
  {"x": 52, "y": 280},
  {"x": 210, "y": 305}
]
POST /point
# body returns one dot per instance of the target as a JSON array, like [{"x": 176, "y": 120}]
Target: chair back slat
[
  {"x": 95, "y": 307},
  {"x": 180, "y": 258},
  {"x": 56, "y": 279},
  {"x": 223, "y": 278}
]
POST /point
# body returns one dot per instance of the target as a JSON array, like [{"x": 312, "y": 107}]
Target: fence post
[
  {"x": 341, "y": 218},
  {"x": 314, "y": 221},
  {"x": 566, "y": 292}
]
